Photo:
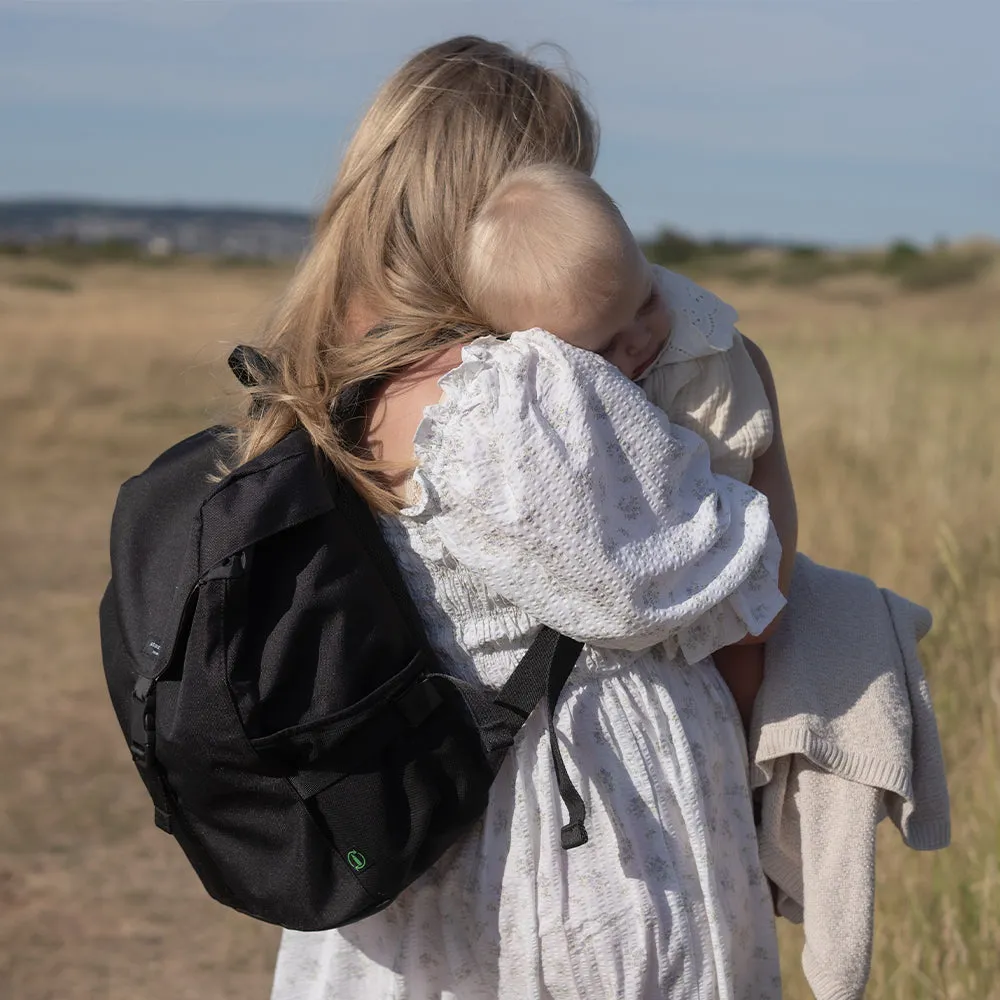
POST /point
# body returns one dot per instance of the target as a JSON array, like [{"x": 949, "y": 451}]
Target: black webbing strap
[{"x": 546, "y": 666}]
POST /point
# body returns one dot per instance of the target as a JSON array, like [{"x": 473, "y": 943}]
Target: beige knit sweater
[{"x": 843, "y": 734}]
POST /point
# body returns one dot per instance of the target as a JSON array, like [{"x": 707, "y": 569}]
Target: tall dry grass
[
  {"x": 890, "y": 409},
  {"x": 889, "y": 402}
]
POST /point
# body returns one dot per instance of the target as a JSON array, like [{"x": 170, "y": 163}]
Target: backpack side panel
[{"x": 152, "y": 548}]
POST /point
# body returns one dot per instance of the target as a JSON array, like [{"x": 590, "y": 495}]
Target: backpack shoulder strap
[{"x": 544, "y": 669}]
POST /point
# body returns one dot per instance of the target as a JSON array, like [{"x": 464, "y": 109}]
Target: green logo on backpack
[{"x": 356, "y": 860}]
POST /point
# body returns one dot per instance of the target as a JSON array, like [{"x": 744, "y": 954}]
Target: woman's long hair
[{"x": 439, "y": 135}]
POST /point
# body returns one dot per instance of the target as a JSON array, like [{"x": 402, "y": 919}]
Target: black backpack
[{"x": 278, "y": 693}]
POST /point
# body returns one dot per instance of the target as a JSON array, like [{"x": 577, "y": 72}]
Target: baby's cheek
[
  {"x": 622, "y": 361},
  {"x": 661, "y": 322}
]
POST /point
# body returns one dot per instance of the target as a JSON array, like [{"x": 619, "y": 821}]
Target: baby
[{"x": 550, "y": 249}]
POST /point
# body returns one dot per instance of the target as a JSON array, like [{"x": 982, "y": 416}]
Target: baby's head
[{"x": 549, "y": 248}]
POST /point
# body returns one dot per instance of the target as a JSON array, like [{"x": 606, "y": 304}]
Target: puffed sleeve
[{"x": 548, "y": 473}]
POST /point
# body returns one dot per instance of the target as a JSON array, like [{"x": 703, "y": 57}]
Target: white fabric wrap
[{"x": 555, "y": 479}]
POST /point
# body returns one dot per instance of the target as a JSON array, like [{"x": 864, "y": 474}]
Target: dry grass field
[{"x": 890, "y": 404}]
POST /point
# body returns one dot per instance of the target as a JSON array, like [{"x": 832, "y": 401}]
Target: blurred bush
[
  {"x": 42, "y": 282},
  {"x": 909, "y": 266}
]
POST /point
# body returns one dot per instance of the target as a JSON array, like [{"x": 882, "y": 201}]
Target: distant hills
[
  {"x": 155, "y": 229},
  {"x": 112, "y": 229},
  {"x": 77, "y": 231}
]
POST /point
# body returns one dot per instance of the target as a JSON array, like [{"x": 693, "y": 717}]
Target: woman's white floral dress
[{"x": 550, "y": 490}]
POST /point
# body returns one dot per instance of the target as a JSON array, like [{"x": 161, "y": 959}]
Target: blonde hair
[
  {"x": 547, "y": 246},
  {"x": 439, "y": 136}
]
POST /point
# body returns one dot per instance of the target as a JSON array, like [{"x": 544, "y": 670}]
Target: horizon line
[{"x": 263, "y": 208}]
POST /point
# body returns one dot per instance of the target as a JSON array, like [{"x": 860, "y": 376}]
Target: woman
[{"x": 548, "y": 490}]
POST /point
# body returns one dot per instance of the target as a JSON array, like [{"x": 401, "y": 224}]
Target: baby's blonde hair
[
  {"x": 546, "y": 245},
  {"x": 439, "y": 136}
]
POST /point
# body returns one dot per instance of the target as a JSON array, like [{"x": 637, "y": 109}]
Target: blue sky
[{"x": 843, "y": 121}]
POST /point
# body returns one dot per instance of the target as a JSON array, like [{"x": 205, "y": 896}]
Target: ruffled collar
[{"x": 701, "y": 323}]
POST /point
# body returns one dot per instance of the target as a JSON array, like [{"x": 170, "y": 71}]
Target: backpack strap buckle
[
  {"x": 142, "y": 743},
  {"x": 142, "y": 723}
]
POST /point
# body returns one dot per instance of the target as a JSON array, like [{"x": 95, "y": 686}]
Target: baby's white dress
[{"x": 550, "y": 490}]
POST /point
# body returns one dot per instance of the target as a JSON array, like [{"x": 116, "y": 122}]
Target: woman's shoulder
[{"x": 398, "y": 407}]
